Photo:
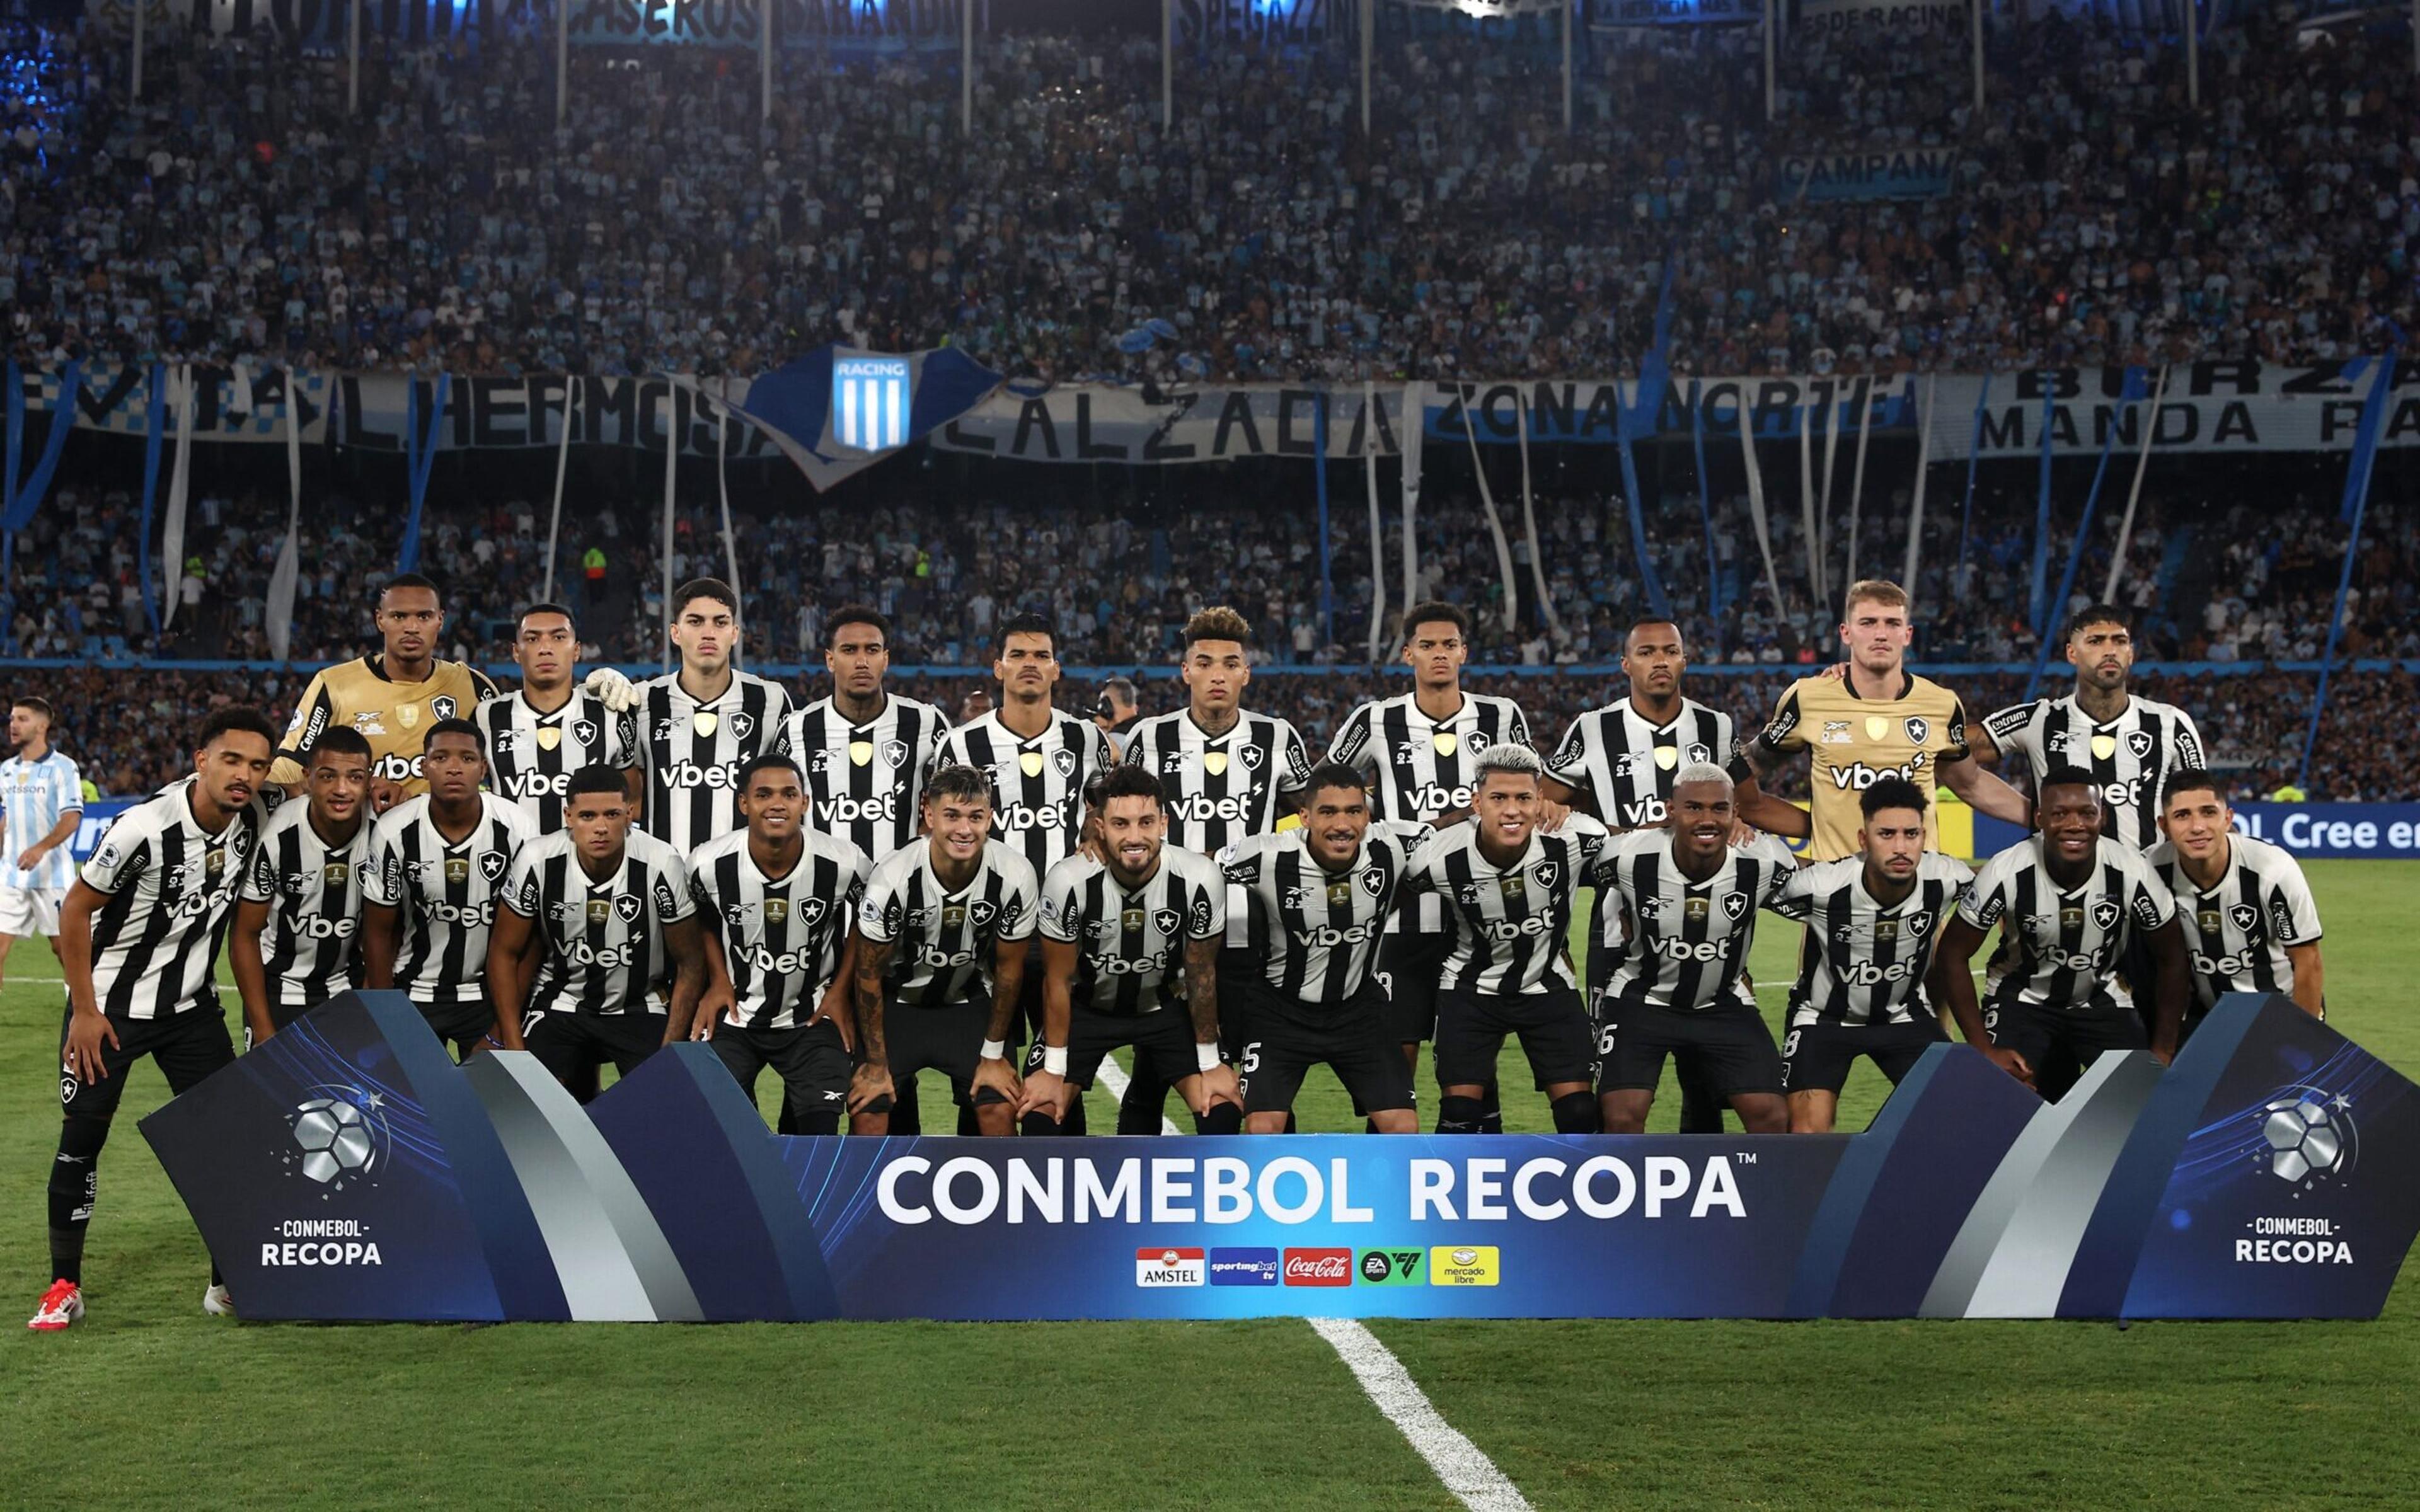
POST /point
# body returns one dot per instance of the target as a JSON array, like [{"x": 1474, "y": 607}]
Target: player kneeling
[
  {"x": 942, "y": 937},
  {"x": 1317, "y": 898},
  {"x": 1867, "y": 982},
  {"x": 596, "y": 920},
  {"x": 1130, "y": 958},
  {"x": 780, "y": 902},
  {"x": 1510, "y": 887},
  {"x": 1690, "y": 900}
]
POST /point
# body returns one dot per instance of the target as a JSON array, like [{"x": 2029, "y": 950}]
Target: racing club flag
[{"x": 837, "y": 410}]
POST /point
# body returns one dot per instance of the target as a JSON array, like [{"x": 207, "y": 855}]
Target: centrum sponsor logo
[
  {"x": 1167, "y": 1266},
  {"x": 1391, "y": 1267},
  {"x": 1319, "y": 1268},
  {"x": 1242, "y": 1267},
  {"x": 1463, "y": 1265}
]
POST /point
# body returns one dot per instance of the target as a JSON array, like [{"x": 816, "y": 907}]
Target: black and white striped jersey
[
  {"x": 692, "y": 752},
  {"x": 444, "y": 894},
  {"x": 945, "y": 944},
  {"x": 866, "y": 780},
  {"x": 1626, "y": 763},
  {"x": 601, "y": 944},
  {"x": 1419, "y": 768},
  {"x": 2129, "y": 757},
  {"x": 1862, "y": 963},
  {"x": 1685, "y": 942},
  {"x": 531, "y": 756},
  {"x": 1130, "y": 946},
  {"x": 1512, "y": 924},
  {"x": 1037, "y": 785},
  {"x": 311, "y": 945},
  {"x": 171, "y": 890},
  {"x": 2065, "y": 944},
  {"x": 1313, "y": 933},
  {"x": 781, "y": 937},
  {"x": 2238, "y": 931},
  {"x": 1220, "y": 789}
]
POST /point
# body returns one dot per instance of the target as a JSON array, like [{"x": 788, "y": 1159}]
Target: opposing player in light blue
[{"x": 41, "y": 796}]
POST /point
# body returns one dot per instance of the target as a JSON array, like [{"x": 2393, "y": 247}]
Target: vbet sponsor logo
[{"x": 1168, "y": 1266}]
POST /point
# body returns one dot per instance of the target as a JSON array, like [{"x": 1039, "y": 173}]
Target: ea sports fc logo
[
  {"x": 2306, "y": 1137},
  {"x": 338, "y": 1134}
]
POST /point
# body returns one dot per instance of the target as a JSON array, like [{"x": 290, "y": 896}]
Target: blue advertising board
[
  {"x": 2312, "y": 831},
  {"x": 348, "y": 1170}
]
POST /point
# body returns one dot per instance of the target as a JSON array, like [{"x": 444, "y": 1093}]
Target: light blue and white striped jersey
[{"x": 35, "y": 794}]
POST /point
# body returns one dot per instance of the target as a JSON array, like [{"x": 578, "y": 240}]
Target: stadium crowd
[{"x": 2090, "y": 216}]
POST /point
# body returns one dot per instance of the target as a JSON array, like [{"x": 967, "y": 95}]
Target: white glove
[{"x": 609, "y": 687}]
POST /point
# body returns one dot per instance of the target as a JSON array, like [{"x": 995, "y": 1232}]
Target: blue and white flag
[{"x": 837, "y": 410}]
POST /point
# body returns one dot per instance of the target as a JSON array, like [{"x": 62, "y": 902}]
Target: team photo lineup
[{"x": 867, "y": 889}]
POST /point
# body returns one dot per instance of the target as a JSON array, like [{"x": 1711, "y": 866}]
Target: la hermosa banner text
[{"x": 2216, "y": 407}]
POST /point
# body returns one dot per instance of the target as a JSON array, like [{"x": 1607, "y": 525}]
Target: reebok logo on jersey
[{"x": 1169, "y": 1268}]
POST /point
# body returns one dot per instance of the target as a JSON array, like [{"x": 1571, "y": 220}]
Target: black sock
[
  {"x": 216, "y": 1279},
  {"x": 824, "y": 1121},
  {"x": 1458, "y": 1114},
  {"x": 1291, "y": 1126},
  {"x": 967, "y": 1127},
  {"x": 1368, "y": 1125},
  {"x": 1223, "y": 1118},
  {"x": 906, "y": 1118},
  {"x": 1039, "y": 1125},
  {"x": 1144, "y": 1106},
  {"x": 75, "y": 1183},
  {"x": 1491, "y": 1112},
  {"x": 1575, "y": 1112},
  {"x": 1074, "y": 1124}
]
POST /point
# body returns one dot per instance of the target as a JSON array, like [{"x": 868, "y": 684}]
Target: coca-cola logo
[{"x": 1319, "y": 1268}]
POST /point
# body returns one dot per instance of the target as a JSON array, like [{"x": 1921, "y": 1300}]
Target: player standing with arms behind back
[
  {"x": 699, "y": 725},
  {"x": 2249, "y": 920},
  {"x": 1419, "y": 752},
  {"x": 43, "y": 795},
  {"x": 297, "y": 918},
  {"x": 139, "y": 935},
  {"x": 554, "y": 726}
]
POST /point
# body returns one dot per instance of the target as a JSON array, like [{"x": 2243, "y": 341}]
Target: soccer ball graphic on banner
[
  {"x": 334, "y": 1138},
  {"x": 2306, "y": 1140}
]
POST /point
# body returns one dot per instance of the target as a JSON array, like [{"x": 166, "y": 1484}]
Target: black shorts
[
  {"x": 1411, "y": 965},
  {"x": 465, "y": 1026},
  {"x": 1815, "y": 1057},
  {"x": 187, "y": 1046},
  {"x": 1553, "y": 1027},
  {"x": 814, "y": 1065},
  {"x": 1351, "y": 1037},
  {"x": 1162, "y": 1039},
  {"x": 947, "y": 1040},
  {"x": 1730, "y": 1042},
  {"x": 2079, "y": 1034},
  {"x": 571, "y": 1046}
]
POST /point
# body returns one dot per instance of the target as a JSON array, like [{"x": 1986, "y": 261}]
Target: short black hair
[
  {"x": 1026, "y": 624},
  {"x": 596, "y": 777},
  {"x": 40, "y": 705},
  {"x": 956, "y": 780},
  {"x": 1643, "y": 622},
  {"x": 1095, "y": 786},
  {"x": 2190, "y": 779},
  {"x": 855, "y": 614},
  {"x": 411, "y": 579},
  {"x": 568, "y": 618},
  {"x": 2092, "y": 614},
  {"x": 1128, "y": 782},
  {"x": 1892, "y": 792},
  {"x": 1333, "y": 775},
  {"x": 2067, "y": 776},
  {"x": 339, "y": 740},
  {"x": 713, "y": 588},
  {"x": 1432, "y": 612},
  {"x": 458, "y": 727},
  {"x": 235, "y": 719},
  {"x": 769, "y": 760}
]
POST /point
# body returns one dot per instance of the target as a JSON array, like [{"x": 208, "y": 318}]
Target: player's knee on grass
[
  {"x": 1575, "y": 1112},
  {"x": 1761, "y": 1112},
  {"x": 1812, "y": 1112},
  {"x": 1458, "y": 1114},
  {"x": 1267, "y": 1123},
  {"x": 992, "y": 1118},
  {"x": 1394, "y": 1120}
]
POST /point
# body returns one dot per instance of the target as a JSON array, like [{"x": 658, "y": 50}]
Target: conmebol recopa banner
[{"x": 347, "y": 1170}]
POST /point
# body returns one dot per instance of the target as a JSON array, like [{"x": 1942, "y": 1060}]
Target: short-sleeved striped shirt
[
  {"x": 600, "y": 943},
  {"x": 36, "y": 795},
  {"x": 172, "y": 888},
  {"x": 781, "y": 936},
  {"x": 311, "y": 945},
  {"x": 445, "y": 893},
  {"x": 945, "y": 944}
]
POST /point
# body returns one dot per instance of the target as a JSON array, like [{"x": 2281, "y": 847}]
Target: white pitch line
[{"x": 1468, "y": 1473}]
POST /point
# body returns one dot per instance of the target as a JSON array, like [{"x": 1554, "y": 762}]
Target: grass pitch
[{"x": 149, "y": 1402}]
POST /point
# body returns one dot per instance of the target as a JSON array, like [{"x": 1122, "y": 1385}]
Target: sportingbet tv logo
[{"x": 338, "y": 1135}]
